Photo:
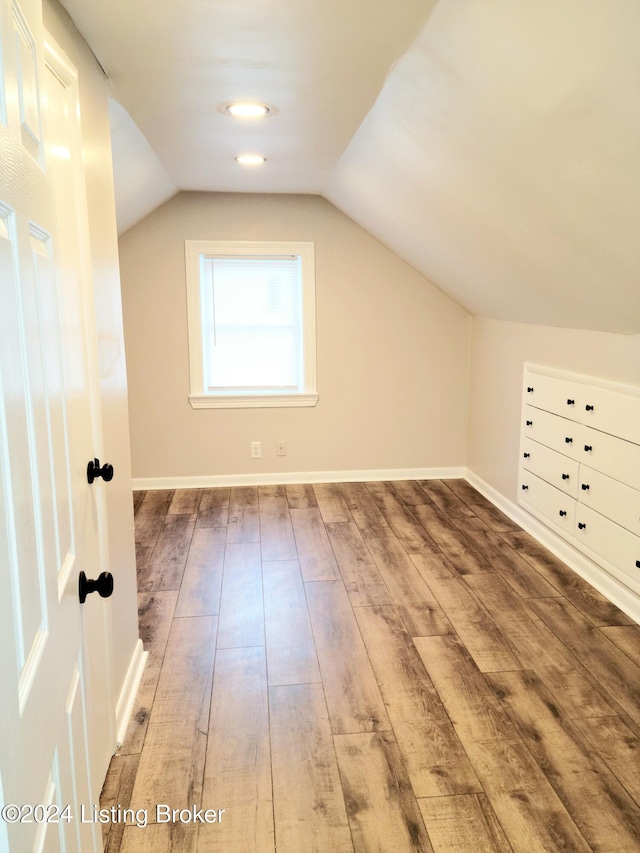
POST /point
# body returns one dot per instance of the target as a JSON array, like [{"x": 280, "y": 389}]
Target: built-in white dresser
[{"x": 579, "y": 467}]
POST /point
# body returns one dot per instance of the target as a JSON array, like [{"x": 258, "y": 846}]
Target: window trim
[{"x": 201, "y": 398}]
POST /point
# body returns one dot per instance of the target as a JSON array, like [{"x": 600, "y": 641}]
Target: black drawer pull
[
  {"x": 588, "y": 408},
  {"x": 588, "y": 447},
  {"x": 524, "y": 488},
  {"x": 571, "y": 402},
  {"x": 526, "y": 455},
  {"x": 563, "y": 512},
  {"x": 581, "y": 525},
  {"x": 638, "y": 563},
  {"x": 585, "y": 487},
  {"x": 529, "y": 423},
  {"x": 529, "y": 390},
  {"x": 565, "y": 476},
  {"x": 568, "y": 440}
]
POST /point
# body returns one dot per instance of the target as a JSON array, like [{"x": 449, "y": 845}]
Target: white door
[
  {"x": 73, "y": 267},
  {"x": 56, "y": 707}
]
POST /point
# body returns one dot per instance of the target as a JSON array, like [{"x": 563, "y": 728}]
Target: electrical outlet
[
  {"x": 256, "y": 450},
  {"x": 281, "y": 448}
]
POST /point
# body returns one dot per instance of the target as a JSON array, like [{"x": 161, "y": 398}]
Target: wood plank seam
[{"x": 375, "y": 673}]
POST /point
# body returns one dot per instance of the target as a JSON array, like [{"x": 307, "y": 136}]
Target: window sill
[{"x": 251, "y": 401}]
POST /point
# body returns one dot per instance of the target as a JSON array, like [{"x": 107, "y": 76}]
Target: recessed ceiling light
[
  {"x": 251, "y": 159},
  {"x": 247, "y": 110}
]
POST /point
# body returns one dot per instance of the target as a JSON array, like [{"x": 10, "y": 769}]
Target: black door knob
[
  {"x": 585, "y": 487},
  {"x": 529, "y": 389},
  {"x": 581, "y": 525},
  {"x": 588, "y": 408},
  {"x": 568, "y": 440},
  {"x": 563, "y": 512},
  {"x": 565, "y": 476},
  {"x": 526, "y": 455},
  {"x": 524, "y": 488},
  {"x": 529, "y": 423},
  {"x": 94, "y": 471},
  {"x": 588, "y": 447},
  {"x": 103, "y": 585},
  {"x": 571, "y": 402}
]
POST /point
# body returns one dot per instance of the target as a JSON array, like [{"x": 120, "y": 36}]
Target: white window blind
[{"x": 252, "y": 323}]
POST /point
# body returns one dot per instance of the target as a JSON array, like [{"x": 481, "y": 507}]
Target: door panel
[
  {"x": 17, "y": 450},
  {"x": 78, "y": 834},
  {"x": 56, "y": 721}
]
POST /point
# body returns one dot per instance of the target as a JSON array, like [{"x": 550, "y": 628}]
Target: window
[{"x": 252, "y": 331}]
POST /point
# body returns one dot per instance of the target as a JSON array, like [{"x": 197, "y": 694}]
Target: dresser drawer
[
  {"x": 559, "y": 396},
  {"x": 557, "y": 507},
  {"x": 558, "y": 433},
  {"x": 612, "y": 412},
  {"x": 609, "y": 540},
  {"x": 556, "y": 468},
  {"x": 610, "y": 498},
  {"x": 613, "y": 456}
]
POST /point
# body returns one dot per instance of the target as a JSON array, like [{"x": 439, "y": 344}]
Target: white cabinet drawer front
[
  {"x": 613, "y": 456},
  {"x": 551, "y": 502},
  {"x": 559, "y": 396},
  {"x": 558, "y": 433},
  {"x": 557, "y": 469},
  {"x": 612, "y": 412},
  {"x": 610, "y": 498},
  {"x": 614, "y": 543}
]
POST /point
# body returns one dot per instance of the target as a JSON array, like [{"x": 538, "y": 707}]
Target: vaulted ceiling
[{"x": 494, "y": 145}]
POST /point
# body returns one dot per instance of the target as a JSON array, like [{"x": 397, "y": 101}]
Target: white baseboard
[
  {"x": 284, "y": 478},
  {"x": 127, "y": 697},
  {"x": 619, "y": 594}
]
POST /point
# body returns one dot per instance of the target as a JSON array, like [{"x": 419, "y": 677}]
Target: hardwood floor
[{"x": 372, "y": 667}]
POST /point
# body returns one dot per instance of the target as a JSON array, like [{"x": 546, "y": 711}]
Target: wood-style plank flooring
[{"x": 372, "y": 667}]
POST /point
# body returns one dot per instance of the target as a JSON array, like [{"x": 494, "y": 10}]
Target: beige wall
[
  {"x": 106, "y": 286},
  {"x": 498, "y": 353},
  {"x": 392, "y": 350}
]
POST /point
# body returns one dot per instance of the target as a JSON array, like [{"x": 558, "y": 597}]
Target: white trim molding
[
  {"x": 251, "y": 401},
  {"x": 289, "y": 478},
  {"x": 613, "y": 589},
  {"x": 127, "y": 697}
]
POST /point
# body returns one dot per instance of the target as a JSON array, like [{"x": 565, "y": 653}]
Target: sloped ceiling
[
  {"x": 502, "y": 160},
  {"x": 141, "y": 181},
  {"x": 319, "y": 63},
  {"x": 495, "y": 145}
]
